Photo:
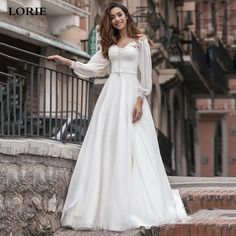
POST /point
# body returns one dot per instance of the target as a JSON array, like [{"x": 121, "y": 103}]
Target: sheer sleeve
[
  {"x": 145, "y": 67},
  {"x": 97, "y": 66}
]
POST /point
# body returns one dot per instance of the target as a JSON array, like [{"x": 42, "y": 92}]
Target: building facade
[
  {"x": 193, "y": 97},
  {"x": 216, "y": 31},
  {"x": 193, "y": 54},
  {"x": 199, "y": 117}
]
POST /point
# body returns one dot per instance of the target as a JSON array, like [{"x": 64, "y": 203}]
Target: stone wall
[{"x": 34, "y": 177}]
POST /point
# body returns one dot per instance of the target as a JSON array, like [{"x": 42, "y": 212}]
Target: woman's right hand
[{"x": 60, "y": 60}]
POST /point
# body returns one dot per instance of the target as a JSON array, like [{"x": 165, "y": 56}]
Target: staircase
[{"x": 210, "y": 202}]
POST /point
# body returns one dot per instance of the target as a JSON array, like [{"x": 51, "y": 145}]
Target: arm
[
  {"x": 145, "y": 85},
  {"x": 97, "y": 66},
  {"x": 145, "y": 67}
]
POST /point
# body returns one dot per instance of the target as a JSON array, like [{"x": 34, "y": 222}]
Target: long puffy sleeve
[
  {"x": 97, "y": 66},
  {"x": 145, "y": 67}
]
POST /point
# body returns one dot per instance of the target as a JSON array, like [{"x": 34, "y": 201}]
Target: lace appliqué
[
  {"x": 135, "y": 44},
  {"x": 143, "y": 39},
  {"x": 138, "y": 43}
]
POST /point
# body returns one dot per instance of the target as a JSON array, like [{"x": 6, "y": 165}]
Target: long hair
[{"x": 109, "y": 35}]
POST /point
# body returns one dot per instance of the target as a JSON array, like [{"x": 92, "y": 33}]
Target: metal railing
[
  {"x": 209, "y": 65},
  {"x": 37, "y": 101},
  {"x": 165, "y": 150},
  {"x": 199, "y": 56},
  {"x": 220, "y": 53},
  {"x": 167, "y": 36},
  {"x": 154, "y": 19},
  {"x": 40, "y": 102}
]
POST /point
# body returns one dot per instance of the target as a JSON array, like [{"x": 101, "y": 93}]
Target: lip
[{"x": 119, "y": 24}]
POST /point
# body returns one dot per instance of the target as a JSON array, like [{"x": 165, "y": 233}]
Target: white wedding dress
[{"x": 119, "y": 181}]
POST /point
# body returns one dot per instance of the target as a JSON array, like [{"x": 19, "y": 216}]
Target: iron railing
[
  {"x": 165, "y": 150},
  {"x": 167, "y": 36},
  {"x": 155, "y": 20},
  {"x": 220, "y": 53},
  {"x": 37, "y": 101},
  {"x": 40, "y": 102}
]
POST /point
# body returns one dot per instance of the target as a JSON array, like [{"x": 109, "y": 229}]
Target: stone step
[
  {"x": 212, "y": 211},
  {"x": 202, "y": 223},
  {"x": 190, "y": 182},
  {"x": 70, "y": 232},
  {"x": 196, "y": 199}
]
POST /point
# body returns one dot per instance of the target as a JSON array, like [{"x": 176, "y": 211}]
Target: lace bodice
[{"x": 134, "y": 57}]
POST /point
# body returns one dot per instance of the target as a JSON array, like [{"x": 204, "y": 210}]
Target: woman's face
[{"x": 118, "y": 18}]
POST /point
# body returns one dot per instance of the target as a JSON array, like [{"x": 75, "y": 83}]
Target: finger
[
  {"x": 53, "y": 57},
  {"x": 134, "y": 114},
  {"x": 138, "y": 116},
  {"x": 135, "y": 117}
]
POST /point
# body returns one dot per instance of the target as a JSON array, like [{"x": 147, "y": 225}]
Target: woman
[{"x": 119, "y": 181}]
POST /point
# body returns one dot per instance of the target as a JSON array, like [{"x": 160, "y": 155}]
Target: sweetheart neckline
[{"x": 125, "y": 44}]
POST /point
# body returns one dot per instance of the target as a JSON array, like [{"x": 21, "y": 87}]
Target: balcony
[
  {"x": 65, "y": 7},
  {"x": 222, "y": 66},
  {"x": 61, "y": 16},
  {"x": 194, "y": 68},
  {"x": 220, "y": 54},
  {"x": 154, "y": 25},
  {"x": 143, "y": 17},
  {"x": 64, "y": 15}
]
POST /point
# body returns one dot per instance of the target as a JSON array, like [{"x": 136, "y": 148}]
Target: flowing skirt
[{"x": 119, "y": 181}]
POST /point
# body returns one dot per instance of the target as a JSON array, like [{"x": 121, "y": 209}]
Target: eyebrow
[{"x": 116, "y": 13}]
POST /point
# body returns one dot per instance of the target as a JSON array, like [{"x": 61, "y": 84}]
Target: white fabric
[
  {"x": 119, "y": 181},
  {"x": 96, "y": 66},
  {"x": 145, "y": 67}
]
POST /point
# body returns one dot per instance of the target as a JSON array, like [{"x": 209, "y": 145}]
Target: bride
[{"x": 119, "y": 181}]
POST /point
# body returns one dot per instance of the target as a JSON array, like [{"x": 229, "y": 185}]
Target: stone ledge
[
  {"x": 69, "y": 232},
  {"x": 39, "y": 147},
  {"x": 32, "y": 192},
  {"x": 193, "y": 182}
]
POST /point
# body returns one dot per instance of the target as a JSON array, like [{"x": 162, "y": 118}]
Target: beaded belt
[{"x": 124, "y": 73}]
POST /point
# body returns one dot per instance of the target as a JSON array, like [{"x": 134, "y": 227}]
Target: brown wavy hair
[{"x": 109, "y": 35}]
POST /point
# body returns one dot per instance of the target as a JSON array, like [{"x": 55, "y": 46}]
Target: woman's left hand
[{"x": 138, "y": 110}]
